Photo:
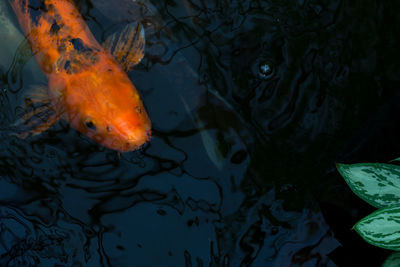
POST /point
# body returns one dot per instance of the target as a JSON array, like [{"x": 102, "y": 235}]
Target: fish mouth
[
  {"x": 129, "y": 134},
  {"x": 135, "y": 141},
  {"x": 122, "y": 143}
]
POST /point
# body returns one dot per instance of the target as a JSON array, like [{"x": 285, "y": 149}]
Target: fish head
[
  {"x": 109, "y": 111},
  {"x": 124, "y": 132}
]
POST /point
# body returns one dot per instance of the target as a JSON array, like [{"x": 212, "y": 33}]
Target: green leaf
[
  {"x": 393, "y": 260},
  {"x": 396, "y": 159},
  {"x": 381, "y": 228},
  {"x": 376, "y": 183}
]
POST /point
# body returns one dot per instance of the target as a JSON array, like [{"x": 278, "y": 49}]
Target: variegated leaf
[
  {"x": 381, "y": 228},
  {"x": 376, "y": 183},
  {"x": 396, "y": 159},
  {"x": 393, "y": 260}
]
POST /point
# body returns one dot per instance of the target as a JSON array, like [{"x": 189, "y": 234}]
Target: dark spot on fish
[
  {"x": 75, "y": 60},
  {"x": 108, "y": 129},
  {"x": 36, "y": 9},
  {"x": 35, "y": 16},
  {"x": 90, "y": 125},
  {"x": 37, "y": 5},
  {"x": 67, "y": 66},
  {"x": 55, "y": 28},
  {"x": 77, "y": 43},
  {"x": 110, "y": 70},
  {"x": 138, "y": 109}
]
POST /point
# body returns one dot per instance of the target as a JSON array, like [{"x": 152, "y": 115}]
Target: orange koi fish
[{"x": 87, "y": 83}]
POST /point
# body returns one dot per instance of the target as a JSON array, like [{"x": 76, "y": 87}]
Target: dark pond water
[{"x": 252, "y": 104}]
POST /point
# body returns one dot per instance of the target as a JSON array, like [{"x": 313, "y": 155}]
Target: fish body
[{"x": 87, "y": 86}]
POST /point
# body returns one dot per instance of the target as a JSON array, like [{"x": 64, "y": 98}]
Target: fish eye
[{"x": 90, "y": 125}]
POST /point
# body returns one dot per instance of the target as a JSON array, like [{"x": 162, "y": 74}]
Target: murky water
[{"x": 252, "y": 104}]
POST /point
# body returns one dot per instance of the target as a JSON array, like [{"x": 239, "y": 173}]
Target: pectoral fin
[
  {"x": 127, "y": 46},
  {"x": 22, "y": 55},
  {"x": 38, "y": 114}
]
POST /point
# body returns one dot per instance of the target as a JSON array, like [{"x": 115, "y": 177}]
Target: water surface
[{"x": 252, "y": 104}]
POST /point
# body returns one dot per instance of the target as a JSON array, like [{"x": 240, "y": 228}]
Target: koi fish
[
  {"x": 191, "y": 99},
  {"x": 87, "y": 83}
]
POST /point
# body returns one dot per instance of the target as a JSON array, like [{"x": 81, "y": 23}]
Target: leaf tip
[
  {"x": 339, "y": 165},
  {"x": 340, "y": 168}
]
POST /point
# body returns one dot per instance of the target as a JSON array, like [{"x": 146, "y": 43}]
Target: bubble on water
[{"x": 265, "y": 70}]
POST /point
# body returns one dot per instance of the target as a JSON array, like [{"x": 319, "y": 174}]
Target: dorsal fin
[{"x": 127, "y": 46}]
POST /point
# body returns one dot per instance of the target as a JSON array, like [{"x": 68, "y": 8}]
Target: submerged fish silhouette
[{"x": 87, "y": 83}]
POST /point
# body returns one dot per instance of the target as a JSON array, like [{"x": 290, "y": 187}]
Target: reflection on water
[{"x": 252, "y": 103}]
